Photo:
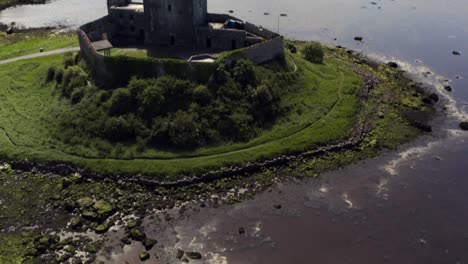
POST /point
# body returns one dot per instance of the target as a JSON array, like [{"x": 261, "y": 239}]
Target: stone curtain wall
[
  {"x": 97, "y": 29},
  {"x": 92, "y": 57},
  {"x": 265, "y": 51}
]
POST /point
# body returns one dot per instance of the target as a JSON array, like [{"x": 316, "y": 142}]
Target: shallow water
[{"x": 404, "y": 207}]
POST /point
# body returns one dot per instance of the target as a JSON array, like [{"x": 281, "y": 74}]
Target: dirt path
[{"x": 40, "y": 54}]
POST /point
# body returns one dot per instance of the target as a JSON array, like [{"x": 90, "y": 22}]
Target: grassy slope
[
  {"x": 324, "y": 110},
  {"x": 20, "y": 44}
]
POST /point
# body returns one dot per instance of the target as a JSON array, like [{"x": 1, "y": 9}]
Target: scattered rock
[
  {"x": 85, "y": 202},
  {"x": 126, "y": 241},
  {"x": 427, "y": 100},
  {"x": 423, "y": 126},
  {"x": 464, "y": 125},
  {"x": 194, "y": 255},
  {"x": 358, "y": 38},
  {"x": 103, "y": 209},
  {"x": 231, "y": 11},
  {"x": 448, "y": 88},
  {"x": 456, "y": 53},
  {"x": 41, "y": 49},
  {"x": 75, "y": 223},
  {"x": 101, "y": 229},
  {"x": 137, "y": 234},
  {"x": 185, "y": 259},
  {"x": 180, "y": 253},
  {"x": 241, "y": 230},
  {"x": 277, "y": 206},
  {"x": 380, "y": 115},
  {"x": 149, "y": 243},
  {"x": 434, "y": 97},
  {"x": 392, "y": 64},
  {"x": 132, "y": 223},
  {"x": 89, "y": 215},
  {"x": 144, "y": 256},
  {"x": 9, "y": 30}
]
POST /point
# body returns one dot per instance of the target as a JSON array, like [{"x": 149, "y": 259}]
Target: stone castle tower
[{"x": 173, "y": 22}]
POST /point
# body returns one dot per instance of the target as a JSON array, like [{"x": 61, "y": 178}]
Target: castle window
[
  {"x": 208, "y": 43},
  {"x": 233, "y": 44},
  {"x": 172, "y": 41},
  {"x": 169, "y": 8},
  {"x": 132, "y": 28}
]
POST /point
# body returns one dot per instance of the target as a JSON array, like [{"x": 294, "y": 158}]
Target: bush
[
  {"x": 68, "y": 60},
  {"x": 121, "y": 102},
  {"x": 58, "y": 75},
  {"x": 313, "y": 52},
  {"x": 50, "y": 74},
  {"x": 73, "y": 77}
]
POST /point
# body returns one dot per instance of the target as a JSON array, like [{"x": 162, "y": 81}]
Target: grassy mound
[{"x": 322, "y": 111}]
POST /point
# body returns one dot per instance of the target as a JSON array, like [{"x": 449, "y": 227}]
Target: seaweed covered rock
[{"x": 137, "y": 234}]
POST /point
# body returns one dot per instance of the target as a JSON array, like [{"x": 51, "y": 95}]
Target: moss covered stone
[
  {"x": 103, "y": 208},
  {"x": 137, "y": 234},
  {"x": 144, "y": 256},
  {"x": 149, "y": 243},
  {"x": 85, "y": 203}
]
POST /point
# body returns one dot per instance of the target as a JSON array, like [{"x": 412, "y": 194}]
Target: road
[{"x": 40, "y": 54}]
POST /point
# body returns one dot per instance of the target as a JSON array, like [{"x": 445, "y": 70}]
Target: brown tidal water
[{"x": 408, "y": 206}]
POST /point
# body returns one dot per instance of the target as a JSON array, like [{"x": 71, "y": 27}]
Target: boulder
[
  {"x": 101, "y": 229},
  {"x": 380, "y": 115},
  {"x": 434, "y": 97},
  {"x": 180, "y": 253},
  {"x": 194, "y": 255},
  {"x": 137, "y": 234},
  {"x": 144, "y": 256},
  {"x": 448, "y": 88},
  {"x": 422, "y": 126},
  {"x": 464, "y": 126},
  {"x": 241, "y": 230},
  {"x": 89, "y": 215},
  {"x": 75, "y": 223},
  {"x": 85, "y": 202},
  {"x": 9, "y": 30},
  {"x": 103, "y": 209},
  {"x": 277, "y": 206},
  {"x": 427, "y": 100},
  {"x": 41, "y": 49},
  {"x": 126, "y": 241},
  {"x": 456, "y": 53},
  {"x": 149, "y": 243},
  {"x": 392, "y": 64},
  {"x": 358, "y": 38}
]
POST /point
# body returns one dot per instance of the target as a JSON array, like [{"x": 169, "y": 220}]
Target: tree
[{"x": 313, "y": 52}]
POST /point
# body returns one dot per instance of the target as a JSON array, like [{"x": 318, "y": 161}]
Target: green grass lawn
[
  {"x": 20, "y": 44},
  {"x": 322, "y": 111},
  {"x": 135, "y": 53}
]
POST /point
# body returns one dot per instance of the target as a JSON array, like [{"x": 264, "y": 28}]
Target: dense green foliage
[
  {"x": 168, "y": 112},
  {"x": 313, "y": 52}
]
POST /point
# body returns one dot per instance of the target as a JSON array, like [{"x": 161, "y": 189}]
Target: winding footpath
[{"x": 40, "y": 54}]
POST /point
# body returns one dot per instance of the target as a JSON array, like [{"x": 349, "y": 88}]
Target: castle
[{"x": 175, "y": 27}]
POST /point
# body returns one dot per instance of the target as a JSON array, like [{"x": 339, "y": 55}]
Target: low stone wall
[
  {"x": 259, "y": 31},
  {"x": 260, "y": 53}
]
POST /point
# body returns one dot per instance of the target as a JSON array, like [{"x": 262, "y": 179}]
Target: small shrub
[
  {"x": 313, "y": 52},
  {"x": 50, "y": 74},
  {"x": 68, "y": 60},
  {"x": 58, "y": 75},
  {"x": 292, "y": 48}
]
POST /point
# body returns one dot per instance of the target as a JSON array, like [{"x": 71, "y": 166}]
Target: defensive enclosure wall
[{"x": 117, "y": 70}]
